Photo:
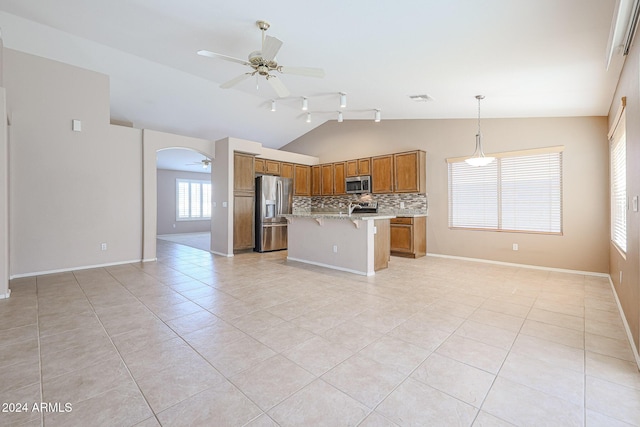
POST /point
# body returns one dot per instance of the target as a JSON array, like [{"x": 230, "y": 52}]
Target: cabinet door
[
  {"x": 259, "y": 166},
  {"x": 243, "y": 172},
  {"x": 243, "y": 217},
  {"x": 302, "y": 180},
  {"x": 286, "y": 170},
  {"x": 402, "y": 238},
  {"x": 316, "y": 181},
  {"x": 327, "y": 179},
  {"x": 338, "y": 178},
  {"x": 382, "y": 174},
  {"x": 410, "y": 173},
  {"x": 364, "y": 166},
  {"x": 352, "y": 168},
  {"x": 272, "y": 167}
]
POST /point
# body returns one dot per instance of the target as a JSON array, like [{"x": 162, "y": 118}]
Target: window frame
[
  {"x": 618, "y": 196},
  {"x": 202, "y": 199},
  {"x": 556, "y": 215}
]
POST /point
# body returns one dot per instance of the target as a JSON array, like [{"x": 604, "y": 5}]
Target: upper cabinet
[
  {"x": 268, "y": 167},
  {"x": 316, "y": 181},
  {"x": 259, "y": 166},
  {"x": 409, "y": 172},
  {"x": 382, "y": 174},
  {"x": 286, "y": 170},
  {"x": 338, "y": 178},
  {"x": 358, "y": 167},
  {"x": 302, "y": 180},
  {"x": 243, "y": 173},
  {"x": 327, "y": 179}
]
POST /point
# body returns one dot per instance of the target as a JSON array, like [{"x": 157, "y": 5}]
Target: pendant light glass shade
[
  {"x": 478, "y": 158},
  {"x": 343, "y": 100}
]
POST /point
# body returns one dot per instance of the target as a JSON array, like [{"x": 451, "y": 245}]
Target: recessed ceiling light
[{"x": 421, "y": 98}]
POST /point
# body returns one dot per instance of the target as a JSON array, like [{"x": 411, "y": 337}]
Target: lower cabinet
[
  {"x": 409, "y": 236},
  {"x": 243, "y": 217}
]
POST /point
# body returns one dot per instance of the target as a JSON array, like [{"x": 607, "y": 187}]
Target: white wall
[
  {"x": 167, "y": 206},
  {"x": 69, "y": 191},
  {"x": 4, "y": 196}
]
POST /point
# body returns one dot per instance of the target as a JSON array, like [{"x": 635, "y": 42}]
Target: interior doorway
[{"x": 184, "y": 191}]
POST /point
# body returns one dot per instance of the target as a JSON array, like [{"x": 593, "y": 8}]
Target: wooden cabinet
[
  {"x": 409, "y": 236},
  {"x": 243, "y": 217},
  {"x": 267, "y": 167},
  {"x": 382, "y": 174},
  {"x": 286, "y": 170},
  {"x": 243, "y": 201},
  {"x": 271, "y": 167},
  {"x": 409, "y": 172},
  {"x": 243, "y": 173},
  {"x": 316, "y": 181},
  {"x": 260, "y": 166},
  {"x": 302, "y": 180},
  {"x": 327, "y": 179},
  {"x": 358, "y": 167},
  {"x": 381, "y": 244},
  {"x": 338, "y": 178}
]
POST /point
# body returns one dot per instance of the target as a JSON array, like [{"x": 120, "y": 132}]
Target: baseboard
[
  {"x": 5, "y": 295},
  {"x": 333, "y": 267},
  {"x": 221, "y": 254},
  {"x": 511, "y": 264},
  {"x": 626, "y": 325},
  {"x": 65, "y": 270}
]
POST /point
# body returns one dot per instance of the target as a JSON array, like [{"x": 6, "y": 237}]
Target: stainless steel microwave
[{"x": 358, "y": 184}]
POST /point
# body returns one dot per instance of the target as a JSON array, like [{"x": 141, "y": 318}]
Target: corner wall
[{"x": 69, "y": 191}]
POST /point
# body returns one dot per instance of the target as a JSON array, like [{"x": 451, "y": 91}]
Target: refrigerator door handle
[{"x": 279, "y": 197}]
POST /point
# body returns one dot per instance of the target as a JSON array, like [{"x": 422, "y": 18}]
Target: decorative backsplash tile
[{"x": 385, "y": 201}]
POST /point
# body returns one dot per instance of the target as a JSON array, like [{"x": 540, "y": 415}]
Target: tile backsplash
[{"x": 385, "y": 201}]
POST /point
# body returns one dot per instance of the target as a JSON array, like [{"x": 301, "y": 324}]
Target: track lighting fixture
[
  {"x": 308, "y": 117},
  {"x": 340, "y": 118},
  {"x": 273, "y": 105},
  {"x": 343, "y": 100},
  {"x": 305, "y": 104},
  {"x": 377, "y": 116}
]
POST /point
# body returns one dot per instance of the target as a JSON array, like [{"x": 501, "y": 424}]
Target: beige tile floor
[{"x": 196, "y": 339}]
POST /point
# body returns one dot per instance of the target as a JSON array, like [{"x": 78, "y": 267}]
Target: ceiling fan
[
  {"x": 204, "y": 163},
  {"x": 263, "y": 63}
]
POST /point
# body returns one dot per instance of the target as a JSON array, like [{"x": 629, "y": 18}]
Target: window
[
  {"x": 193, "y": 199},
  {"x": 618, "y": 159},
  {"x": 520, "y": 191}
]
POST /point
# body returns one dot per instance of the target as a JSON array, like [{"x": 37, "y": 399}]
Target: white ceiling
[{"x": 530, "y": 58}]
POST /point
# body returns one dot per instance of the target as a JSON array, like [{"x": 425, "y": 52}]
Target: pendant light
[
  {"x": 376, "y": 117},
  {"x": 273, "y": 105},
  {"x": 478, "y": 158},
  {"x": 340, "y": 117},
  {"x": 343, "y": 100},
  {"x": 305, "y": 104},
  {"x": 308, "y": 117}
]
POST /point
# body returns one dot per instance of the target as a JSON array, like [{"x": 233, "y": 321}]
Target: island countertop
[{"x": 337, "y": 215}]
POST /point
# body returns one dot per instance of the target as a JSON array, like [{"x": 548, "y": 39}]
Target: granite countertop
[
  {"x": 405, "y": 213},
  {"x": 338, "y": 215}
]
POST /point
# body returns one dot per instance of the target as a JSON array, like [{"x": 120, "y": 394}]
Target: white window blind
[
  {"x": 193, "y": 199},
  {"x": 520, "y": 191},
  {"x": 618, "y": 159}
]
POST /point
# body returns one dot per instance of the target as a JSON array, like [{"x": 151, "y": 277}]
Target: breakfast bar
[{"x": 357, "y": 243}]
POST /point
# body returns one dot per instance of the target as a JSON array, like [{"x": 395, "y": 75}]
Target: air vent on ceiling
[{"x": 421, "y": 98}]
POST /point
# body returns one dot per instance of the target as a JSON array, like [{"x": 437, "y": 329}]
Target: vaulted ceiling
[{"x": 530, "y": 58}]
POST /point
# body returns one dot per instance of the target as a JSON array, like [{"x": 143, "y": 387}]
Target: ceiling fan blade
[
  {"x": 278, "y": 86},
  {"x": 302, "y": 71},
  {"x": 235, "y": 81},
  {"x": 221, "y": 56},
  {"x": 270, "y": 48}
]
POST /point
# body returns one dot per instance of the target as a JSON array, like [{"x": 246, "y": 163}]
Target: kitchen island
[{"x": 359, "y": 243}]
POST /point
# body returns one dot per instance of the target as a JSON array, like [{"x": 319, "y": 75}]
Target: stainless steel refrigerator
[{"x": 274, "y": 197}]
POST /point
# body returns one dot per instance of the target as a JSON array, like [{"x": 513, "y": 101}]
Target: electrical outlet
[
  {"x": 103, "y": 246},
  {"x": 515, "y": 246},
  {"x": 335, "y": 249}
]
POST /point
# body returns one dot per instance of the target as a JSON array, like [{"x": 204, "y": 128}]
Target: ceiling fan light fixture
[
  {"x": 376, "y": 117},
  {"x": 343, "y": 100},
  {"x": 340, "y": 118},
  {"x": 478, "y": 157},
  {"x": 305, "y": 104}
]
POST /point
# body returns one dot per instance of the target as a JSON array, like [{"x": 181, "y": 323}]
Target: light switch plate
[{"x": 76, "y": 125}]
